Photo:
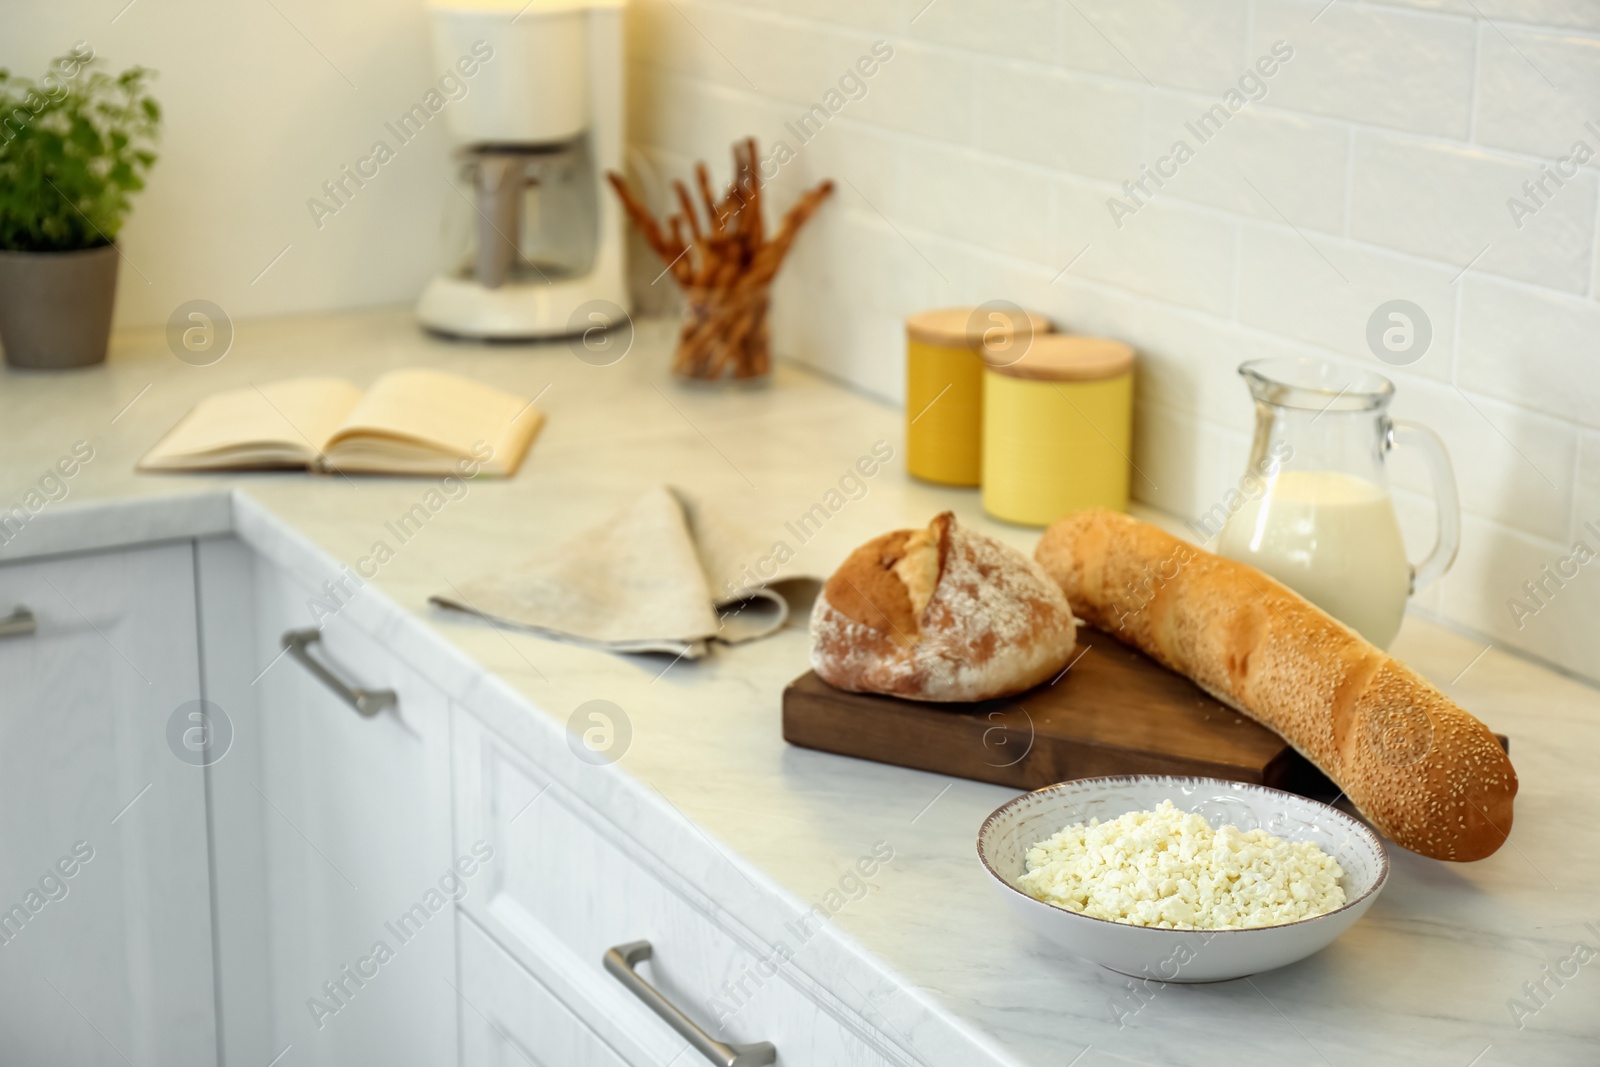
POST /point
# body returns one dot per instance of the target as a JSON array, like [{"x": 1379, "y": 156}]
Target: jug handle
[{"x": 1446, "y": 502}]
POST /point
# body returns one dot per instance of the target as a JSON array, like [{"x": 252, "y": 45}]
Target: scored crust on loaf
[
  {"x": 923, "y": 562},
  {"x": 885, "y": 585},
  {"x": 940, "y": 614},
  {"x": 1426, "y": 773}
]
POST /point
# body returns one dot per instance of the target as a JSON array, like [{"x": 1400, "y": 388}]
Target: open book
[{"x": 409, "y": 422}]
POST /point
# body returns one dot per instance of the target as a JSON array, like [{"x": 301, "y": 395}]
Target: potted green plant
[{"x": 73, "y": 146}]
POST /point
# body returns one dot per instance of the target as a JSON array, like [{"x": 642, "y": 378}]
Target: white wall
[
  {"x": 259, "y": 113},
  {"x": 1377, "y": 166},
  {"x": 978, "y": 165}
]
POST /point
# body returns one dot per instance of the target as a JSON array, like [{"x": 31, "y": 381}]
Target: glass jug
[
  {"x": 530, "y": 217},
  {"x": 1313, "y": 509}
]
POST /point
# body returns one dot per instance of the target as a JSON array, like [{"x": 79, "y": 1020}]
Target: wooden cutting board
[{"x": 1114, "y": 711}]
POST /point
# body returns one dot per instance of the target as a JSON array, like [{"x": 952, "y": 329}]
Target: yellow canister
[
  {"x": 944, "y": 385},
  {"x": 1058, "y": 429}
]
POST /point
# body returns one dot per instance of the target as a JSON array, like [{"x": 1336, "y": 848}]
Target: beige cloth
[{"x": 666, "y": 574}]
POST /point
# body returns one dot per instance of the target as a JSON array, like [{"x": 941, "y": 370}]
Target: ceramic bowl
[{"x": 1182, "y": 955}]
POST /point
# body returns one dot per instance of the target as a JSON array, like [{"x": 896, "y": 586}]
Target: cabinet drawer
[
  {"x": 509, "y": 1018},
  {"x": 565, "y": 887}
]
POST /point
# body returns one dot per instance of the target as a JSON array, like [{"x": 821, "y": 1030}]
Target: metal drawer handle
[
  {"x": 366, "y": 701},
  {"x": 20, "y": 623},
  {"x": 620, "y": 962}
]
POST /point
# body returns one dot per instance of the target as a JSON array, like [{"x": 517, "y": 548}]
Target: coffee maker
[{"x": 532, "y": 247}]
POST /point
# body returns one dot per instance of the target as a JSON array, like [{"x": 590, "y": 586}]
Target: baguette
[{"x": 1424, "y": 772}]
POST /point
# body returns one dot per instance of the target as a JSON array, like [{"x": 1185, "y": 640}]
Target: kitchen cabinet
[
  {"x": 566, "y": 886},
  {"x": 105, "y": 940},
  {"x": 511, "y": 1018},
  {"x": 235, "y": 849},
  {"x": 343, "y": 948}
]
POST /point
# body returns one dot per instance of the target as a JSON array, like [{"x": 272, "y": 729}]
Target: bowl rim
[{"x": 1360, "y": 828}]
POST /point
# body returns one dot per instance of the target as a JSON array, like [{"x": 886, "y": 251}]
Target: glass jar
[{"x": 724, "y": 336}]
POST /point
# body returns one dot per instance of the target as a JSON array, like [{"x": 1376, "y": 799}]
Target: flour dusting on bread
[{"x": 940, "y": 614}]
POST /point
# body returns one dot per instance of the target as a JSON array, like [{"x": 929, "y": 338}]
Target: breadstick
[
  {"x": 725, "y": 266},
  {"x": 688, "y": 210},
  {"x": 635, "y": 211},
  {"x": 1422, "y": 770},
  {"x": 702, "y": 178}
]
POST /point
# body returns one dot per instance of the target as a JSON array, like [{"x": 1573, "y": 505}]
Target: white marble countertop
[{"x": 1424, "y": 978}]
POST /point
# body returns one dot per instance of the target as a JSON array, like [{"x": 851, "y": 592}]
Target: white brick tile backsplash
[
  {"x": 695, "y": 119},
  {"x": 976, "y": 198},
  {"x": 864, "y": 345},
  {"x": 1379, "y": 162},
  {"x": 1191, "y": 362},
  {"x": 1180, "y": 461},
  {"x": 1299, "y": 163},
  {"x": 937, "y": 271},
  {"x": 1575, "y": 14},
  {"x": 1450, "y": 203},
  {"x": 863, "y": 160},
  {"x": 1167, "y": 251},
  {"x": 796, "y": 61},
  {"x": 1507, "y": 461},
  {"x": 889, "y": 17},
  {"x": 1185, "y": 360},
  {"x": 1018, "y": 29},
  {"x": 1536, "y": 90},
  {"x": 1586, "y": 501},
  {"x": 973, "y": 275},
  {"x": 1489, "y": 574},
  {"x": 854, "y": 257},
  {"x": 1531, "y": 348},
  {"x": 1071, "y": 123},
  {"x": 1385, "y": 66},
  {"x": 927, "y": 271},
  {"x": 664, "y": 36},
  {"x": 921, "y": 91},
  {"x": 1323, "y": 292},
  {"x": 1169, "y": 42},
  {"x": 1085, "y": 306}
]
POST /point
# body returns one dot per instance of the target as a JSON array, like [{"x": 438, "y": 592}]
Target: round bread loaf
[
  {"x": 1422, "y": 770},
  {"x": 940, "y": 614}
]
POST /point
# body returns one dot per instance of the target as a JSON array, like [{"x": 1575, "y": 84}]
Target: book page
[
  {"x": 276, "y": 424},
  {"x": 411, "y": 410}
]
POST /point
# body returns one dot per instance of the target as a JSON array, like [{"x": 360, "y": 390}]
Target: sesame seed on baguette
[{"x": 1428, "y": 775}]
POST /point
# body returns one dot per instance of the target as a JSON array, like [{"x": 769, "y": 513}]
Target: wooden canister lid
[
  {"x": 964, "y": 327},
  {"x": 1062, "y": 357}
]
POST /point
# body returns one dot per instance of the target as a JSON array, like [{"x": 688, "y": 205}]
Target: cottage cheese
[{"x": 1169, "y": 868}]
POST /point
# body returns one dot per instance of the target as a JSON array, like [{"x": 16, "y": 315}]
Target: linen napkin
[{"x": 666, "y": 574}]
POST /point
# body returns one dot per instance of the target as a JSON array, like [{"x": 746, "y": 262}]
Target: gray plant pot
[{"x": 55, "y": 307}]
